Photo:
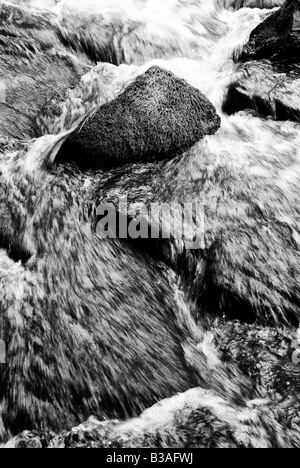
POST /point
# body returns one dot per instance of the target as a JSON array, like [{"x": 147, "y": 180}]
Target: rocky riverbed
[{"x": 133, "y": 341}]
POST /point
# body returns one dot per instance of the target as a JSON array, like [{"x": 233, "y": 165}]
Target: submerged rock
[
  {"x": 135, "y": 33},
  {"x": 158, "y": 116},
  {"x": 90, "y": 326},
  {"x": 244, "y": 188},
  {"x": 202, "y": 418},
  {"x": 33, "y": 67},
  {"x": 198, "y": 418},
  {"x": 269, "y": 91},
  {"x": 278, "y": 37}
]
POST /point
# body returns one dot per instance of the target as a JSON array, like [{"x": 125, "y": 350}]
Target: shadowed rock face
[
  {"x": 278, "y": 37},
  {"x": 157, "y": 117}
]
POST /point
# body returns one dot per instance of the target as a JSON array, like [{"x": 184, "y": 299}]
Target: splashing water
[{"x": 255, "y": 164}]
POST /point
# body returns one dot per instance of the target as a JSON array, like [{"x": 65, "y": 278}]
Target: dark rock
[
  {"x": 269, "y": 83},
  {"x": 278, "y": 37},
  {"x": 237, "y": 4},
  {"x": 267, "y": 90},
  {"x": 157, "y": 117},
  {"x": 263, "y": 353}
]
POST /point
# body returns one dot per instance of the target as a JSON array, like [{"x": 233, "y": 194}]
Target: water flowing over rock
[
  {"x": 33, "y": 67},
  {"x": 135, "y": 32},
  {"x": 268, "y": 90},
  {"x": 195, "y": 419},
  {"x": 157, "y": 117},
  {"x": 269, "y": 82},
  {"x": 215, "y": 276},
  {"x": 88, "y": 312},
  {"x": 278, "y": 37}
]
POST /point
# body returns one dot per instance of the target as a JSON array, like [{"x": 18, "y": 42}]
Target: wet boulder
[
  {"x": 237, "y": 4},
  {"x": 268, "y": 90},
  {"x": 269, "y": 355},
  {"x": 158, "y": 116},
  {"x": 278, "y": 37}
]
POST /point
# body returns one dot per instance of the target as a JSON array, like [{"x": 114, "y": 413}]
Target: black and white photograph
[{"x": 149, "y": 227}]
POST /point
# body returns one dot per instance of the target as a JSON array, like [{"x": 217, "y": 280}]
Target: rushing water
[{"x": 53, "y": 292}]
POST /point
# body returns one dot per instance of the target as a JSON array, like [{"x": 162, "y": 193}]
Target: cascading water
[{"x": 71, "y": 295}]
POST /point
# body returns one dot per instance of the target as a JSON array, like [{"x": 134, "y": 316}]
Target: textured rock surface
[
  {"x": 264, "y": 354},
  {"x": 278, "y": 37},
  {"x": 157, "y": 117},
  {"x": 269, "y": 91},
  {"x": 237, "y": 4}
]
